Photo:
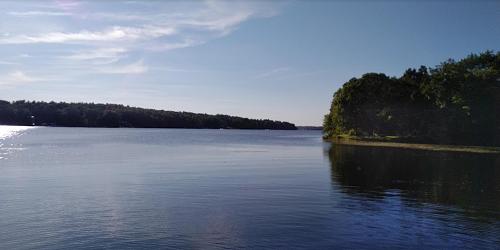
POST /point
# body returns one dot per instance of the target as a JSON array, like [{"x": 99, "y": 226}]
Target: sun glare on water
[
  {"x": 6, "y": 132},
  {"x": 9, "y": 131}
]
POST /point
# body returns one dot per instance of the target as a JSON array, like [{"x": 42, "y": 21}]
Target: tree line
[
  {"x": 456, "y": 102},
  {"x": 114, "y": 115}
]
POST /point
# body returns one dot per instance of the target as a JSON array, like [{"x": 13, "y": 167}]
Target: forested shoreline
[
  {"x": 114, "y": 115},
  {"x": 456, "y": 102}
]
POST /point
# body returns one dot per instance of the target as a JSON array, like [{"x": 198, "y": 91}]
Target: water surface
[{"x": 86, "y": 188}]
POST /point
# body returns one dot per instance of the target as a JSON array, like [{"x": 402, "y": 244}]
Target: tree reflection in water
[{"x": 466, "y": 181}]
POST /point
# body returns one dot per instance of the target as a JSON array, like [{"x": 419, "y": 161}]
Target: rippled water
[
  {"x": 6, "y": 132},
  {"x": 172, "y": 188}
]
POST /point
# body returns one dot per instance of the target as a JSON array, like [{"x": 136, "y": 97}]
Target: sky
[{"x": 281, "y": 60}]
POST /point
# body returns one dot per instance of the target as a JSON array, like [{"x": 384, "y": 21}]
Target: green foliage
[
  {"x": 112, "y": 115},
  {"x": 453, "y": 103}
]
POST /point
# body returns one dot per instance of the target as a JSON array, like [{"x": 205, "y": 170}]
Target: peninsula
[{"x": 454, "y": 103}]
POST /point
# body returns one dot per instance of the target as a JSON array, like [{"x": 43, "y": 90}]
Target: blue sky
[{"x": 281, "y": 60}]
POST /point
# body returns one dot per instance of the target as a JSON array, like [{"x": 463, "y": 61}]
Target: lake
[{"x": 82, "y": 188}]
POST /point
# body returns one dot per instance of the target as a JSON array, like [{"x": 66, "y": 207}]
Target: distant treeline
[
  {"x": 457, "y": 102},
  {"x": 113, "y": 115},
  {"x": 309, "y": 127}
]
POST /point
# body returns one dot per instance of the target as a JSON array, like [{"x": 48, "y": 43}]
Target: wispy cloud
[
  {"x": 303, "y": 74},
  {"x": 109, "y": 35},
  {"x": 134, "y": 68},
  {"x": 175, "y": 45},
  {"x": 18, "y": 77},
  {"x": 217, "y": 21},
  {"x": 94, "y": 33},
  {"x": 272, "y": 72},
  {"x": 110, "y": 16},
  {"x": 100, "y": 56},
  {"x": 68, "y": 4},
  {"x": 211, "y": 18},
  {"x": 8, "y": 63},
  {"x": 38, "y": 13}
]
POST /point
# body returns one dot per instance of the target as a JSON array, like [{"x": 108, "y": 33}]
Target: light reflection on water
[
  {"x": 7, "y": 132},
  {"x": 172, "y": 188}
]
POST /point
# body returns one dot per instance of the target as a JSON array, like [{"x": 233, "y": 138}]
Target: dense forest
[
  {"x": 113, "y": 115},
  {"x": 456, "y": 102}
]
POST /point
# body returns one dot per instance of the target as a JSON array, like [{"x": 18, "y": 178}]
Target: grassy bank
[{"x": 408, "y": 143}]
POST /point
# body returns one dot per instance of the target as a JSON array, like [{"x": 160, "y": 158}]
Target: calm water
[{"x": 83, "y": 188}]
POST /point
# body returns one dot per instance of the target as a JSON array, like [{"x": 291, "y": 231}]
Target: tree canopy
[
  {"x": 113, "y": 115},
  {"x": 456, "y": 102}
]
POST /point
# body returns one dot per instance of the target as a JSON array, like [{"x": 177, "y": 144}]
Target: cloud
[
  {"x": 210, "y": 18},
  {"x": 215, "y": 20},
  {"x": 100, "y": 56},
  {"x": 37, "y": 13},
  {"x": 8, "y": 63},
  {"x": 272, "y": 72},
  {"x": 135, "y": 68},
  {"x": 303, "y": 74},
  {"x": 102, "y": 53},
  {"x": 18, "y": 77},
  {"x": 117, "y": 16},
  {"x": 68, "y": 4},
  {"x": 175, "y": 45},
  {"x": 99, "y": 33},
  {"x": 113, "y": 34}
]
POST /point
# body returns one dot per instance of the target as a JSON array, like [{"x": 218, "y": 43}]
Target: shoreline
[
  {"x": 418, "y": 146},
  {"x": 124, "y": 127}
]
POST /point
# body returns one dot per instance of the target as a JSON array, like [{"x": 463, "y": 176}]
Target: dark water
[{"x": 81, "y": 188}]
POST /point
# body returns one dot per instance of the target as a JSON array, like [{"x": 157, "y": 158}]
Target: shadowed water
[{"x": 172, "y": 188}]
